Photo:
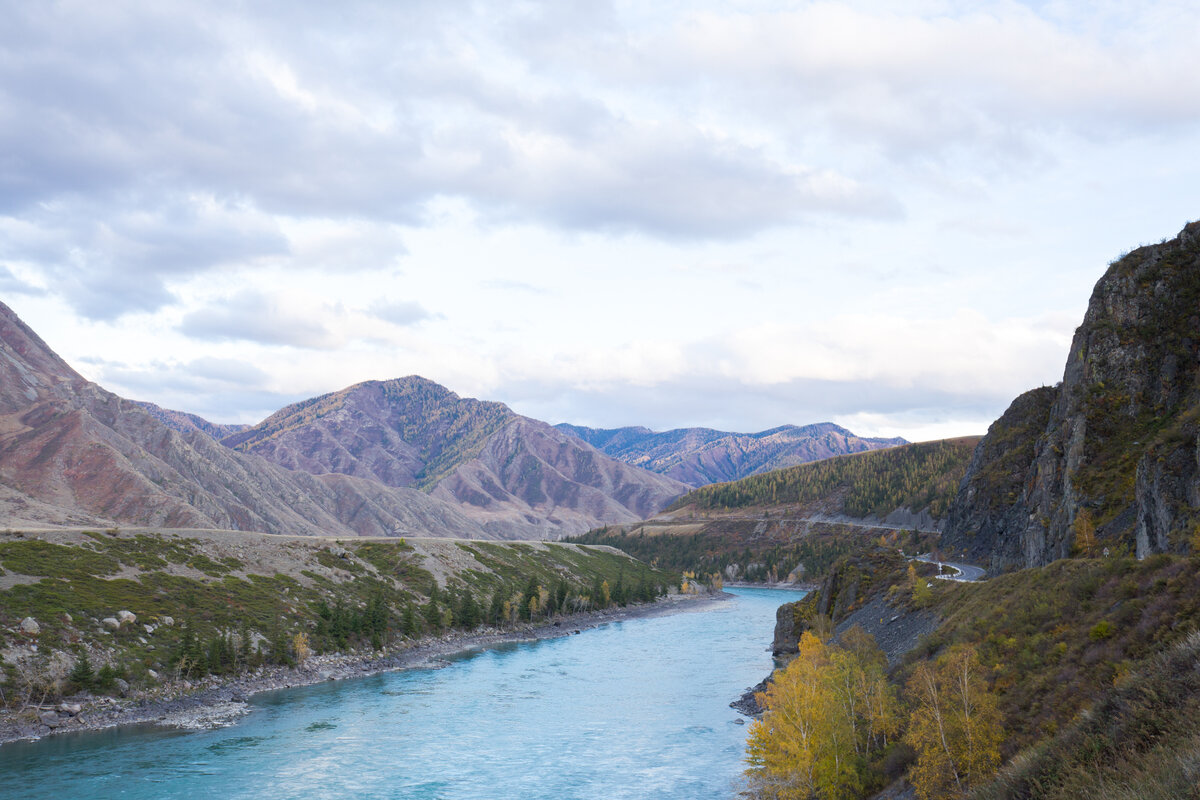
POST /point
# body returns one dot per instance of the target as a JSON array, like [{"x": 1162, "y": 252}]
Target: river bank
[{"x": 219, "y": 700}]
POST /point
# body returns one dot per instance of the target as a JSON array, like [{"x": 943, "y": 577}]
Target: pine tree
[
  {"x": 82, "y": 675},
  {"x": 408, "y": 621}
]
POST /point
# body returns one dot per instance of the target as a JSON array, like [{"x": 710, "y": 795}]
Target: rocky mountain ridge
[
  {"x": 516, "y": 476},
  {"x": 73, "y": 453},
  {"x": 700, "y": 456},
  {"x": 1110, "y": 457}
]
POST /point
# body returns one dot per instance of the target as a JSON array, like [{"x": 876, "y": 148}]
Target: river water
[{"x": 633, "y": 709}]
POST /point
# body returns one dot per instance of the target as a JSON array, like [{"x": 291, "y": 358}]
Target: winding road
[{"x": 967, "y": 573}]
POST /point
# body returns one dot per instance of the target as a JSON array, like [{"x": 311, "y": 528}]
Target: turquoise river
[{"x": 633, "y": 709}]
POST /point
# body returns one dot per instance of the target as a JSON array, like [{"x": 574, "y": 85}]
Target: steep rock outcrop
[{"x": 1117, "y": 462}]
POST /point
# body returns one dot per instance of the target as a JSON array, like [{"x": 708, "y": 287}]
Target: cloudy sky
[{"x": 737, "y": 214}]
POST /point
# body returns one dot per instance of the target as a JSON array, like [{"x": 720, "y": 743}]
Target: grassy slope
[
  {"x": 229, "y": 583},
  {"x": 1094, "y": 662},
  {"x": 1059, "y": 636},
  {"x": 763, "y": 548}
]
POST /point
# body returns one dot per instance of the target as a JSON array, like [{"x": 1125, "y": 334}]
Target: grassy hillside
[
  {"x": 1056, "y": 638},
  {"x": 1093, "y": 666},
  {"x": 923, "y": 476},
  {"x": 1140, "y": 742},
  {"x": 768, "y": 526},
  {"x": 221, "y": 602}
]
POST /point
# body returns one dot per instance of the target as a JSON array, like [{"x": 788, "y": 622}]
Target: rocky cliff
[
  {"x": 700, "y": 456},
  {"x": 1109, "y": 458}
]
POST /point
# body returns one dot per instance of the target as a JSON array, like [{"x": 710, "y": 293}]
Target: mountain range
[
  {"x": 380, "y": 458},
  {"x": 404, "y": 456},
  {"x": 700, "y": 456}
]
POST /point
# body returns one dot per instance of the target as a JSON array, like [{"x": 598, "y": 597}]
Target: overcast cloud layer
[{"x": 736, "y": 214}]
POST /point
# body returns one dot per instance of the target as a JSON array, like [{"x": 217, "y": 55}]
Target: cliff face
[{"x": 1116, "y": 460}]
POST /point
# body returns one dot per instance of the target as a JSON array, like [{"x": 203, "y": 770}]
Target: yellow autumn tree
[
  {"x": 784, "y": 744},
  {"x": 826, "y": 713},
  {"x": 922, "y": 595},
  {"x": 869, "y": 697},
  {"x": 300, "y": 646},
  {"x": 954, "y": 727}
]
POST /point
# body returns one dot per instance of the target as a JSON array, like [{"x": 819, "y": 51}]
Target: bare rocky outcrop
[{"x": 1111, "y": 456}]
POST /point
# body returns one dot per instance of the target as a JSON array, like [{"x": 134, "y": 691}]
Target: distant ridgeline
[{"x": 700, "y": 456}]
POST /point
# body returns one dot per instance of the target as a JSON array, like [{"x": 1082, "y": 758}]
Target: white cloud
[
  {"x": 252, "y": 316},
  {"x": 717, "y": 211}
]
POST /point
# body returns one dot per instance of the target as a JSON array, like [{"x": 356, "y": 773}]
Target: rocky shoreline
[{"x": 219, "y": 700}]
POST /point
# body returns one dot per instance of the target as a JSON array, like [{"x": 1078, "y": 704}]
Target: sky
[{"x": 737, "y": 215}]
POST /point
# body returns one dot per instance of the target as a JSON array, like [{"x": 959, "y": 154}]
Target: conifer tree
[{"x": 82, "y": 674}]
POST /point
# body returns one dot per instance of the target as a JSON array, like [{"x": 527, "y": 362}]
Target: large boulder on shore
[{"x": 789, "y": 626}]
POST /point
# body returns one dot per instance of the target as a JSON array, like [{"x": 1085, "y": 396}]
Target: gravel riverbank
[{"x": 220, "y": 700}]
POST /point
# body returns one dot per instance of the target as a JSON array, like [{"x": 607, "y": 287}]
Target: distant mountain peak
[{"x": 699, "y": 456}]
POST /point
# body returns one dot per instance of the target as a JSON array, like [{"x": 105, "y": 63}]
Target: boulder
[
  {"x": 789, "y": 625},
  {"x": 111, "y": 622},
  {"x": 30, "y": 626},
  {"x": 122, "y": 686},
  {"x": 70, "y": 708},
  {"x": 50, "y": 719},
  {"x": 168, "y": 621},
  {"x": 124, "y": 617}
]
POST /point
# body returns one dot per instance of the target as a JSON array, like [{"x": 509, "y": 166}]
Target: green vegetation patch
[
  {"x": 38, "y": 558},
  {"x": 764, "y": 550}
]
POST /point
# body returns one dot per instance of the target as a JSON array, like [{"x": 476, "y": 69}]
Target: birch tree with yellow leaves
[
  {"x": 955, "y": 726},
  {"x": 826, "y": 713}
]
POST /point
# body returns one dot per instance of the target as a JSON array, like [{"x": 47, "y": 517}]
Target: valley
[{"x": 1079, "y": 503}]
